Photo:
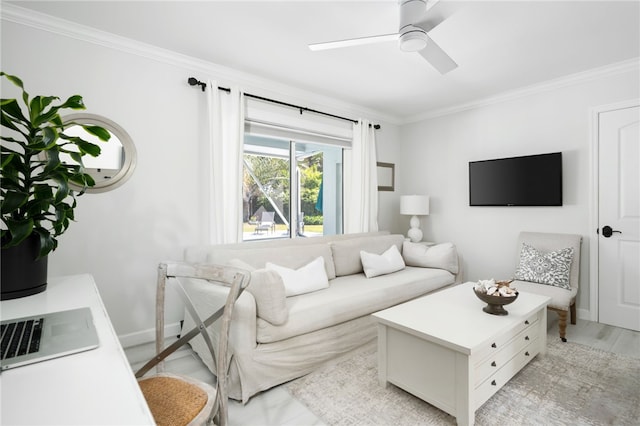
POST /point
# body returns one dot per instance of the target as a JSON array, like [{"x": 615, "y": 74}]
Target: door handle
[{"x": 607, "y": 231}]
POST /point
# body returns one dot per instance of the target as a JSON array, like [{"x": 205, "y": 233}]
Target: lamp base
[{"x": 414, "y": 233}]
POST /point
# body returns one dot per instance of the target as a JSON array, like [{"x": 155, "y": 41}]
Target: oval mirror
[{"x": 117, "y": 158}]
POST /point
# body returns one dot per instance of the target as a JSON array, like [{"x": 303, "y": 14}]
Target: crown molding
[
  {"x": 227, "y": 76},
  {"x": 629, "y": 65},
  {"x": 269, "y": 88}
]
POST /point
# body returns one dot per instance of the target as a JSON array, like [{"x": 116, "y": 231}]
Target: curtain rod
[{"x": 194, "y": 82}]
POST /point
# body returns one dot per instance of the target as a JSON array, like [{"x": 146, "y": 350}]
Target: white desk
[{"x": 96, "y": 387}]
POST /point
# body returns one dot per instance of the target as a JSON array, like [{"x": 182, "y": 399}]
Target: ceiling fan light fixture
[{"x": 413, "y": 40}]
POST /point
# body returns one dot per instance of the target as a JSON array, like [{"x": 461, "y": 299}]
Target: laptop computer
[{"x": 38, "y": 338}]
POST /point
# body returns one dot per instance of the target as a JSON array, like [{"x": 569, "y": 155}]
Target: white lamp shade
[{"x": 414, "y": 205}]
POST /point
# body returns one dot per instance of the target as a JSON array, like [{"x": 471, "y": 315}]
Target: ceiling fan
[{"x": 412, "y": 36}]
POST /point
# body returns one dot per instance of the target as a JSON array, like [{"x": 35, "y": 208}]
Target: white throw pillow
[
  {"x": 381, "y": 264},
  {"x": 441, "y": 256},
  {"x": 308, "y": 278},
  {"x": 346, "y": 252}
]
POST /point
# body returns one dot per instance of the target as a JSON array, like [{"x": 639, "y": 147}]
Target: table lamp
[{"x": 414, "y": 205}]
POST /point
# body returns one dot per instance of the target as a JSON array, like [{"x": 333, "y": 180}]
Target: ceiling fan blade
[
  {"x": 435, "y": 14},
  {"x": 353, "y": 42},
  {"x": 430, "y": 21},
  {"x": 437, "y": 57}
]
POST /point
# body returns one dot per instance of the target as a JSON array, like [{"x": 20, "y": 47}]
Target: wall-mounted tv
[{"x": 532, "y": 180}]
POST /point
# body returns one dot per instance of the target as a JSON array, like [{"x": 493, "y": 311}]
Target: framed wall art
[{"x": 386, "y": 176}]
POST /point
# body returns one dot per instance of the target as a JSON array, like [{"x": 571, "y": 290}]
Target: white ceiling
[{"x": 500, "y": 46}]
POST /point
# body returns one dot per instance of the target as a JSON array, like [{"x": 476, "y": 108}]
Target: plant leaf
[
  {"x": 98, "y": 131},
  {"x": 49, "y": 137},
  {"x": 88, "y": 148},
  {"x": 12, "y": 109},
  {"x": 19, "y": 229},
  {"x": 62, "y": 191},
  {"x": 6, "y": 159},
  {"x": 12, "y": 78},
  {"x": 74, "y": 102},
  {"x": 12, "y": 201},
  {"x": 47, "y": 242}
]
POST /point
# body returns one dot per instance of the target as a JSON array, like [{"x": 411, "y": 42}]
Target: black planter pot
[{"x": 23, "y": 273}]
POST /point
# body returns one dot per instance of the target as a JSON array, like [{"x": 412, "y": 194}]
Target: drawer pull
[
  {"x": 493, "y": 383},
  {"x": 526, "y": 322},
  {"x": 526, "y": 353},
  {"x": 493, "y": 364},
  {"x": 526, "y": 338},
  {"x": 493, "y": 345}
]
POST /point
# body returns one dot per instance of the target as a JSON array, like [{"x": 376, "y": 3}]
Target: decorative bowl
[{"x": 495, "y": 304}]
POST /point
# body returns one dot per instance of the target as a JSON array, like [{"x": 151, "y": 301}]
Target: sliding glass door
[{"x": 291, "y": 188}]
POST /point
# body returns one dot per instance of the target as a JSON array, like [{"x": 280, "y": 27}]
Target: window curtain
[
  {"x": 361, "y": 181},
  {"x": 225, "y": 140}
]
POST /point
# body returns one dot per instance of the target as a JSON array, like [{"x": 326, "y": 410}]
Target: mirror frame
[{"x": 130, "y": 154}]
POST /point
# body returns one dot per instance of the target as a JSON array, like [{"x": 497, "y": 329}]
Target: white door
[{"x": 619, "y": 217}]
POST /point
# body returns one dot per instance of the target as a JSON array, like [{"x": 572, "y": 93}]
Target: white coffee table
[{"x": 445, "y": 350}]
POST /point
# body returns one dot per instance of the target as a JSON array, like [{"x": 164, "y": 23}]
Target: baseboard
[
  {"x": 147, "y": 336},
  {"x": 584, "y": 314}
]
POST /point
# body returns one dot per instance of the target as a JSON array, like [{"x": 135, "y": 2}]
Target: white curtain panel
[
  {"x": 361, "y": 181},
  {"x": 226, "y": 135}
]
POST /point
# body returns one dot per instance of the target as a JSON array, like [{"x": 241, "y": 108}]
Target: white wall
[
  {"x": 120, "y": 236},
  {"x": 434, "y": 161}
]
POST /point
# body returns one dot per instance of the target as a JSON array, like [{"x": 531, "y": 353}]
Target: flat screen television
[{"x": 532, "y": 180}]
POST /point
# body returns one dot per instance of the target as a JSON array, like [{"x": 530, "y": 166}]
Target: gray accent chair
[{"x": 562, "y": 301}]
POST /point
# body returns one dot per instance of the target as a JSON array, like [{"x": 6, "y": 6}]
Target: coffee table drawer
[
  {"x": 494, "y": 382},
  {"x": 500, "y": 342},
  {"x": 497, "y": 360}
]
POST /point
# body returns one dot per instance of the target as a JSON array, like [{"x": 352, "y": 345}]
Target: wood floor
[{"x": 277, "y": 407}]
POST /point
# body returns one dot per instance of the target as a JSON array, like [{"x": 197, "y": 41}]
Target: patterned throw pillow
[{"x": 545, "y": 268}]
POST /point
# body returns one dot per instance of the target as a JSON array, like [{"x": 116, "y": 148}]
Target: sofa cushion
[
  {"x": 268, "y": 290},
  {"x": 306, "y": 279},
  {"x": 550, "y": 268},
  {"x": 442, "y": 256},
  {"x": 346, "y": 253},
  {"x": 351, "y": 297},
  {"x": 381, "y": 264},
  {"x": 290, "y": 256}
]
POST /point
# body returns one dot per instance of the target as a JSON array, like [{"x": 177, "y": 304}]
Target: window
[{"x": 291, "y": 188}]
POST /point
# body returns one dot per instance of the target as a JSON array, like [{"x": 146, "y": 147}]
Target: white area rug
[{"x": 572, "y": 385}]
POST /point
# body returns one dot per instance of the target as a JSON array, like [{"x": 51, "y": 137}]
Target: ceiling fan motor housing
[{"x": 412, "y": 38}]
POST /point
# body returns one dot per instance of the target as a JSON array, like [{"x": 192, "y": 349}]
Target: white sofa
[{"x": 275, "y": 338}]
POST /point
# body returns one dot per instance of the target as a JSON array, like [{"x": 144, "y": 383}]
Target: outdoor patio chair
[{"x": 267, "y": 223}]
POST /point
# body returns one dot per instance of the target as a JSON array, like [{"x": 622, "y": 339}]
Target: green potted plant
[{"x": 38, "y": 163}]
